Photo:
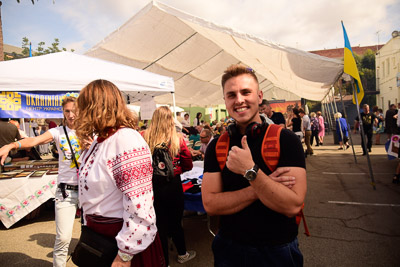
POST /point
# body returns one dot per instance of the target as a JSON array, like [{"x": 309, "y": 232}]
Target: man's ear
[{"x": 260, "y": 96}]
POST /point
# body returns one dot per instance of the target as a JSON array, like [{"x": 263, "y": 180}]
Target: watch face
[{"x": 250, "y": 175}]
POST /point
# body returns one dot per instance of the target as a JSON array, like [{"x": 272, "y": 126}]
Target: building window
[
  {"x": 388, "y": 66},
  {"x": 383, "y": 69}
]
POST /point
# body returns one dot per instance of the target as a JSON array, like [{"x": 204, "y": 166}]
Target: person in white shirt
[
  {"x": 115, "y": 176},
  {"x": 66, "y": 200},
  {"x": 307, "y": 131},
  {"x": 185, "y": 122}
]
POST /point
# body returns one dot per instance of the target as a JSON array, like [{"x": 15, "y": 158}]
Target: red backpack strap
[
  {"x": 271, "y": 148},
  {"x": 222, "y": 149},
  {"x": 299, "y": 217}
]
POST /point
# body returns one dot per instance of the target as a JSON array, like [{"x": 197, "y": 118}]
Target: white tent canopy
[
  {"x": 195, "y": 53},
  {"x": 67, "y": 71}
]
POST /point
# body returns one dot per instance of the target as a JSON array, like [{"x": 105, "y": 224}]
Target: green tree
[
  {"x": 367, "y": 70},
  {"x": 25, "y": 46},
  {"x": 40, "y": 49},
  {"x": 54, "y": 48}
]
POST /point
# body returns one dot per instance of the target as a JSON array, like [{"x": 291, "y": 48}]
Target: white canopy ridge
[{"x": 195, "y": 53}]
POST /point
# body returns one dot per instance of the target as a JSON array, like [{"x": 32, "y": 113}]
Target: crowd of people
[{"x": 106, "y": 164}]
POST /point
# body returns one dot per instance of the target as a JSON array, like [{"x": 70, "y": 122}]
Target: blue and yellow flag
[{"x": 350, "y": 67}]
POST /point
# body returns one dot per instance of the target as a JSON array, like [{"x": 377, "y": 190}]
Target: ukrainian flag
[{"x": 350, "y": 67}]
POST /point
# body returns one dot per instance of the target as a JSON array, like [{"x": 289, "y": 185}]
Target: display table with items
[
  {"x": 24, "y": 186},
  {"x": 191, "y": 183}
]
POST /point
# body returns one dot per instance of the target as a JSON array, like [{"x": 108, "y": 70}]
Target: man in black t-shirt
[
  {"x": 391, "y": 121},
  {"x": 276, "y": 117},
  {"x": 368, "y": 121},
  {"x": 257, "y": 207}
]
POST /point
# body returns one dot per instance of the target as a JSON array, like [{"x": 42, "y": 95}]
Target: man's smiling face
[{"x": 242, "y": 99}]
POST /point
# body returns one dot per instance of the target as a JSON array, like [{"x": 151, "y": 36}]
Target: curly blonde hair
[
  {"x": 162, "y": 130},
  {"x": 101, "y": 110}
]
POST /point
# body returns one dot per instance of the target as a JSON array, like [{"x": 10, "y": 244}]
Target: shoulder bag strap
[{"x": 70, "y": 147}]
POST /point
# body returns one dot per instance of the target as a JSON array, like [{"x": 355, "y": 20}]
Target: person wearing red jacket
[{"x": 168, "y": 197}]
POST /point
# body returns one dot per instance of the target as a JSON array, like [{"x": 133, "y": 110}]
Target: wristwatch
[
  {"x": 251, "y": 174},
  {"x": 124, "y": 257}
]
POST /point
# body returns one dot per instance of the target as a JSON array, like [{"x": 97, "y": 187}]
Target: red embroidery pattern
[
  {"x": 132, "y": 171},
  {"x": 84, "y": 170}
]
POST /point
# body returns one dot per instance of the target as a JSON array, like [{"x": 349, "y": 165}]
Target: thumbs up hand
[{"x": 239, "y": 159}]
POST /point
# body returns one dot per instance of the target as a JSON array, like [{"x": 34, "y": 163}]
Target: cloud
[
  {"x": 78, "y": 47},
  {"x": 94, "y": 20}
]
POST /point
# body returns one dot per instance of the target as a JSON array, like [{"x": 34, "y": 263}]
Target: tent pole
[
  {"x": 363, "y": 135},
  {"x": 22, "y": 122},
  {"x": 348, "y": 125},
  {"x": 173, "y": 102},
  {"x": 338, "y": 119},
  {"x": 327, "y": 115},
  {"x": 333, "y": 97},
  {"x": 190, "y": 113},
  {"x": 333, "y": 111}
]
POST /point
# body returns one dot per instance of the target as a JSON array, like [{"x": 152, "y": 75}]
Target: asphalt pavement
[{"x": 351, "y": 224}]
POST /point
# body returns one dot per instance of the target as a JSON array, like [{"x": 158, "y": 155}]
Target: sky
[{"x": 307, "y": 25}]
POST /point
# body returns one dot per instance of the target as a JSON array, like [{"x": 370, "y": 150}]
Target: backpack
[
  {"x": 163, "y": 168},
  {"x": 315, "y": 124},
  {"x": 270, "y": 153}
]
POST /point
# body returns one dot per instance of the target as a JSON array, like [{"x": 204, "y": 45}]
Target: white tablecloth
[{"x": 20, "y": 196}]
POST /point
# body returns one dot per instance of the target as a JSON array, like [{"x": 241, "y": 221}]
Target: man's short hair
[
  {"x": 301, "y": 111},
  {"x": 264, "y": 102},
  {"x": 207, "y": 132},
  {"x": 236, "y": 70}
]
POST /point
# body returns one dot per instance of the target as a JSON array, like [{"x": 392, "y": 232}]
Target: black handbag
[{"x": 94, "y": 249}]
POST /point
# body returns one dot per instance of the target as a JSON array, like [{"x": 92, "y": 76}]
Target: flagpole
[{"x": 363, "y": 136}]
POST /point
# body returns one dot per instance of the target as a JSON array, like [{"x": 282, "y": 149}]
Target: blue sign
[{"x": 37, "y": 104}]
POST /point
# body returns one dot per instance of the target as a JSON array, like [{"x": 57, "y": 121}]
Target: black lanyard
[{"x": 70, "y": 147}]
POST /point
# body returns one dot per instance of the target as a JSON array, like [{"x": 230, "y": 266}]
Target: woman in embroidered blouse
[
  {"x": 168, "y": 197},
  {"x": 115, "y": 176}
]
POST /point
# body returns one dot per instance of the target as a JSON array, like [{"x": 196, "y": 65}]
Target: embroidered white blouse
[{"x": 115, "y": 180}]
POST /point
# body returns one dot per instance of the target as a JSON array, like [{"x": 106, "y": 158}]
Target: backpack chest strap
[{"x": 270, "y": 149}]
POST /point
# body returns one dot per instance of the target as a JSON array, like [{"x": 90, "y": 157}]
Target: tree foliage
[{"x": 41, "y": 50}]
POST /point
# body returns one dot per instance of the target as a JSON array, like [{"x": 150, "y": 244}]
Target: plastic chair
[{"x": 197, "y": 145}]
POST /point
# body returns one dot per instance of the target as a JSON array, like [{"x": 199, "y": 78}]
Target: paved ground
[{"x": 364, "y": 230}]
